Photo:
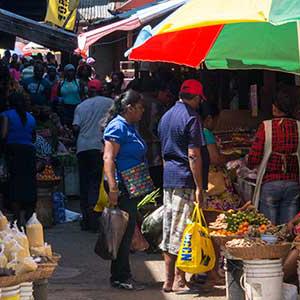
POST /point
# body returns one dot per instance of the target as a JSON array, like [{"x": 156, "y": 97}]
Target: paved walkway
[{"x": 83, "y": 275}]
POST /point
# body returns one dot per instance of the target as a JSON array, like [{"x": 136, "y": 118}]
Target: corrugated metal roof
[{"x": 92, "y": 10}]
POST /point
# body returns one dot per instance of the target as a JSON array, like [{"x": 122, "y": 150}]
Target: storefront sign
[{"x": 62, "y": 13}]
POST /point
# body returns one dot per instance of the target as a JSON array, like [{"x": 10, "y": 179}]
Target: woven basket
[
  {"x": 7, "y": 281},
  {"x": 55, "y": 258},
  {"x": 222, "y": 240},
  {"x": 47, "y": 270},
  {"x": 260, "y": 252}
]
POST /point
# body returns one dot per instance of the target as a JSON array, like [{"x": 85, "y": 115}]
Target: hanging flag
[{"x": 62, "y": 13}]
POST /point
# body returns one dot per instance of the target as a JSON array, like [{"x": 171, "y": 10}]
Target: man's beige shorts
[{"x": 178, "y": 207}]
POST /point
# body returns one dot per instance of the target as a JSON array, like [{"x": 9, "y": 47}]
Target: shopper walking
[
  {"x": 70, "y": 93},
  {"x": 18, "y": 131},
  {"x": 124, "y": 149},
  {"x": 276, "y": 153},
  {"x": 181, "y": 135},
  {"x": 87, "y": 131}
]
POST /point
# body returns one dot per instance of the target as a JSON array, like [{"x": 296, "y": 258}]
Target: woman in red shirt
[{"x": 276, "y": 152}]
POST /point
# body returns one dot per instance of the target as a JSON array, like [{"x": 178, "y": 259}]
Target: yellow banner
[{"x": 62, "y": 13}]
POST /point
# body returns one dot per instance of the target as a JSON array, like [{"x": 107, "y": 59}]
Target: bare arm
[
  {"x": 215, "y": 157},
  {"x": 195, "y": 161},
  {"x": 111, "y": 150}
]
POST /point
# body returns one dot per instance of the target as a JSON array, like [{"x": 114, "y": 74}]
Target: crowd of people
[
  {"x": 187, "y": 148},
  {"x": 64, "y": 105},
  {"x": 118, "y": 127},
  {"x": 42, "y": 104}
]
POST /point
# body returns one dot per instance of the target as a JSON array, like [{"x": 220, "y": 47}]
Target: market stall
[
  {"x": 25, "y": 258},
  {"x": 56, "y": 163},
  {"x": 255, "y": 250}
]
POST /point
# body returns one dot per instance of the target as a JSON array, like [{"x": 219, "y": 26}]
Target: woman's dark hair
[
  {"x": 121, "y": 102},
  {"x": 208, "y": 109},
  {"x": 17, "y": 101},
  {"x": 286, "y": 101},
  {"x": 80, "y": 71}
]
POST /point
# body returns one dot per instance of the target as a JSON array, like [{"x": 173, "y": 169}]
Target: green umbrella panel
[{"x": 257, "y": 46}]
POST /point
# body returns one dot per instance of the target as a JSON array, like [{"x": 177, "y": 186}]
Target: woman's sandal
[{"x": 165, "y": 290}]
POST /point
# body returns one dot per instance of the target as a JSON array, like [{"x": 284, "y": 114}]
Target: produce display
[
  {"x": 47, "y": 174},
  {"x": 237, "y": 223},
  {"x": 229, "y": 140},
  {"x": 257, "y": 248},
  {"x": 246, "y": 243},
  {"x": 22, "y": 252}
]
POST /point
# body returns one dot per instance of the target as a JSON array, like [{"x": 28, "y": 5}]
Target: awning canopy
[
  {"x": 132, "y": 4},
  {"x": 141, "y": 17},
  {"x": 48, "y": 36}
]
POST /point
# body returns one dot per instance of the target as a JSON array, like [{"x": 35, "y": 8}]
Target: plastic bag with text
[{"x": 196, "y": 254}]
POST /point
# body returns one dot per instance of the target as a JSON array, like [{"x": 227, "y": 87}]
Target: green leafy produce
[{"x": 149, "y": 199}]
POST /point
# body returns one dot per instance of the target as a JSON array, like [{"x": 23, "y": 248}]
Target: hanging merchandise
[
  {"x": 62, "y": 13},
  {"x": 196, "y": 254}
]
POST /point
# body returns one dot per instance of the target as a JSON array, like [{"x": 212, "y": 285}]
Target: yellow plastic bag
[
  {"x": 196, "y": 254},
  {"x": 102, "y": 198}
]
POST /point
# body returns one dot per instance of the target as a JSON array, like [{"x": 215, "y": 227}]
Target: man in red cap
[
  {"x": 86, "y": 125},
  {"x": 182, "y": 138}
]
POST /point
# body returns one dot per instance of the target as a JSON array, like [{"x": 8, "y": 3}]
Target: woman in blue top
[
  {"x": 124, "y": 149},
  {"x": 70, "y": 92},
  {"x": 18, "y": 131}
]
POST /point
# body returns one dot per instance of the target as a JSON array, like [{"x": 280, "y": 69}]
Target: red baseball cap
[
  {"x": 95, "y": 84},
  {"x": 192, "y": 86}
]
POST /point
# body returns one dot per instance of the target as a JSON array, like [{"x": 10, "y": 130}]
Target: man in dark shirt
[{"x": 181, "y": 135}]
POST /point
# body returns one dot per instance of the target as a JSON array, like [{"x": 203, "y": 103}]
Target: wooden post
[{"x": 129, "y": 39}]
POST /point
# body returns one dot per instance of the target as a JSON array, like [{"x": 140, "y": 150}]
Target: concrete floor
[{"x": 83, "y": 275}]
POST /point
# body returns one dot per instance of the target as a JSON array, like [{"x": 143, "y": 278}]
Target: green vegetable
[{"x": 149, "y": 199}]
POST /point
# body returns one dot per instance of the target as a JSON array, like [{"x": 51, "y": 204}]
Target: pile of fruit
[
  {"x": 47, "y": 174},
  {"x": 240, "y": 223}
]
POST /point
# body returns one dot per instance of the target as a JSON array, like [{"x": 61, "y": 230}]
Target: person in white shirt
[{"x": 86, "y": 125}]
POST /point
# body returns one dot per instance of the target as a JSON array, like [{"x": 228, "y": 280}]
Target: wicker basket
[
  {"x": 55, "y": 258},
  {"x": 7, "y": 281},
  {"x": 47, "y": 270},
  {"x": 260, "y": 252},
  {"x": 222, "y": 240}
]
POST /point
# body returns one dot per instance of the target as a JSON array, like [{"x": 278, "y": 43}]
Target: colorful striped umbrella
[{"x": 230, "y": 34}]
